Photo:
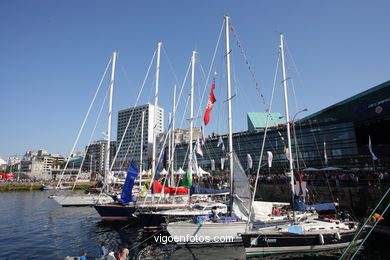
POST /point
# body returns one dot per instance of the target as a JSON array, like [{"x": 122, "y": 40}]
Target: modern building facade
[
  {"x": 95, "y": 156},
  {"x": 345, "y": 127},
  {"x": 132, "y": 138}
]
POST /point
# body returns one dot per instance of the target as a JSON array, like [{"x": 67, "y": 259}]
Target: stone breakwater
[{"x": 29, "y": 186}]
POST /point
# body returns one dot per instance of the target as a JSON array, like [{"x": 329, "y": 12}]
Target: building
[
  {"x": 95, "y": 156},
  {"x": 258, "y": 120},
  {"x": 132, "y": 139},
  {"x": 40, "y": 164},
  {"x": 345, "y": 128}
]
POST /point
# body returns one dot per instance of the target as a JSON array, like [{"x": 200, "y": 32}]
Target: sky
[{"x": 54, "y": 53}]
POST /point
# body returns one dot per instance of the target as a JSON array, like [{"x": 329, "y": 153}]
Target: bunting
[{"x": 198, "y": 148}]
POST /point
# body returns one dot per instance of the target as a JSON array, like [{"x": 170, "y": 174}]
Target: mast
[
  {"x": 173, "y": 133},
  {"x": 229, "y": 98},
  {"x": 107, "y": 150},
  {"x": 169, "y": 147},
  {"x": 192, "y": 109},
  {"x": 155, "y": 108},
  {"x": 291, "y": 172},
  {"x": 142, "y": 150}
]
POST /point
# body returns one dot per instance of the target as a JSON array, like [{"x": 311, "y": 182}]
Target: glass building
[{"x": 345, "y": 127}]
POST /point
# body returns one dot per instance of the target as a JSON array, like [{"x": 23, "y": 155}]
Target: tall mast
[
  {"x": 107, "y": 150},
  {"x": 169, "y": 147},
  {"x": 291, "y": 172},
  {"x": 155, "y": 108},
  {"x": 142, "y": 150},
  {"x": 192, "y": 109},
  {"x": 173, "y": 133},
  {"x": 229, "y": 98}
]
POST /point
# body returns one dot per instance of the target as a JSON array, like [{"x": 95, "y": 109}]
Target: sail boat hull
[
  {"x": 83, "y": 200},
  {"x": 324, "y": 238}
]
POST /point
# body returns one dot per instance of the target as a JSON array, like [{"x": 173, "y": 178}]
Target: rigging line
[
  {"x": 364, "y": 224},
  {"x": 132, "y": 112},
  {"x": 289, "y": 53},
  {"x": 263, "y": 144},
  {"x": 84, "y": 121},
  {"x": 170, "y": 66},
  {"x": 239, "y": 44},
  {"x": 170, "y": 123},
  {"x": 211, "y": 67},
  {"x": 91, "y": 136},
  {"x": 131, "y": 144}
]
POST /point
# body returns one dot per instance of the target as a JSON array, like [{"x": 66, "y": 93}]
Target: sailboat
[
  {"x": 103, "y": 197},
  {"x": 235, "y": 223},
  {"x": 153, "y": 218},
  {"x": 306, "y": 236}
]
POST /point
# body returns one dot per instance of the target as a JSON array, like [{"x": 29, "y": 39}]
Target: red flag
[{"x": 209, "y": 104}]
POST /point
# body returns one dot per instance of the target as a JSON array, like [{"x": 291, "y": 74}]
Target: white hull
[
  {"x": 82, "y": 200},
  {"x": 208, "y": 232},
  {"x": 295, "y": 249}
]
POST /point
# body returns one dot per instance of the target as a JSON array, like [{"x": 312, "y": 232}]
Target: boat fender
[
  {"x": 321, "y": 237},
  {"x": 337, "y": 236}
]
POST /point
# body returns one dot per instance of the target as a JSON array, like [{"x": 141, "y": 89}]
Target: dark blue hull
[{"x": 115, "y": 212}]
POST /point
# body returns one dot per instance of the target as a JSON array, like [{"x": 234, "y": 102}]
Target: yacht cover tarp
[
  {"x": 195, "y": 189},
  {"x": 158, "y": 188},
  {"x": 299, "y": 205}
]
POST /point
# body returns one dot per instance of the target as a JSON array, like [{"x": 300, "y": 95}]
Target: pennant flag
[
  {"x": 222, "y": 163},
  {"x": 220, "y": 141},
  {"x": 213, "y": 165},
  {"x": 270, "y": 157},
  {"x": 194, "y": 164},
  {"x": 132, "y": 173},
  {"x": 203, "y": 136},
  {"x": 370, "y": 148},
  {"x": 250, "y": 162},
  {"x": 187, "y": 181},
  {"x": 287, "y": 153},
  {"x": 198, "y": 148},
  {"x": 325, "y": 155},
  {"x": 209, "y": 104}
]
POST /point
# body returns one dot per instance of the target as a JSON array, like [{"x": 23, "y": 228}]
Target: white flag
[
  {"x": 222, "y": 163},
  {"x": 287, "y": 152},
  {"x": 198, "y": 148},
  {"x": 220, "y": 141},
  {"x": 370, "y": 148},
  {"x": 270, "y": 157},
  {"x": 250, "y": 162},
  {"x": 325, "y": 155},
  {"x": 213, "y": 165},
  {"x": 194, "y": 163}
]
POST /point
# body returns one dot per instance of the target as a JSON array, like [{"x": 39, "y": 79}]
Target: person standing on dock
[{"x": 83, "y": 256}]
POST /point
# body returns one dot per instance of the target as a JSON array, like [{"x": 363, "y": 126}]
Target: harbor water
[{"x": 35, "y": 227}]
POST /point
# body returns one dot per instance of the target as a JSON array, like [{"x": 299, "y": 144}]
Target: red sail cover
[
  {"x": 210, "y": 104},
  {"x": 157, "y": 188}
]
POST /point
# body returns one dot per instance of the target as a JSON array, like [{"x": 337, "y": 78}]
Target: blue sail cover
[
  {"x": 127, "y": 189},
  {"x": 195, "y": 189},
  {"x": 299, "y": 205}
]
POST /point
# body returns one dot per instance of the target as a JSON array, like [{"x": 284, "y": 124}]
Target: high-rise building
[
  {"x": 95, "y": 156},
  {"x": 131, "y": 145}
]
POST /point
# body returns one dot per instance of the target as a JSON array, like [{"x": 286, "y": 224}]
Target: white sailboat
[
  {"x": 229, "y": 227},
  {"x": 103, "y": 197},
  {"x": 312, "y": 235}
]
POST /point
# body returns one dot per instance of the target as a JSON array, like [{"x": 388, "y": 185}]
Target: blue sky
[{"x": 53, "y": 54}]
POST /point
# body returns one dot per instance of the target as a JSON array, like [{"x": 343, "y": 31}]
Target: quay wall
[
  {"x": 29, "y": 186},
  {"x": 360, "y": 200}
]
